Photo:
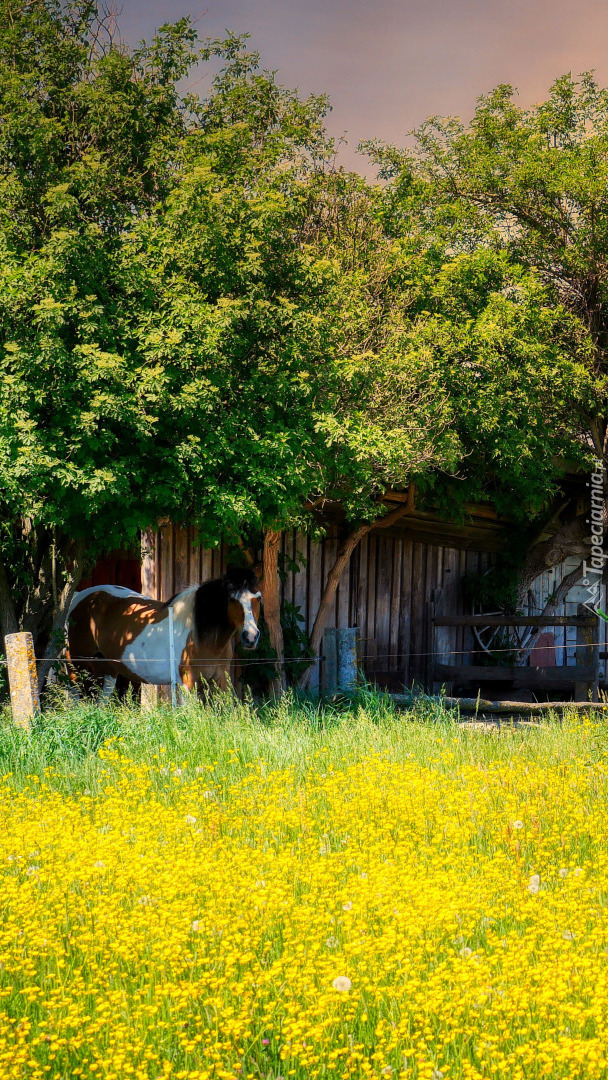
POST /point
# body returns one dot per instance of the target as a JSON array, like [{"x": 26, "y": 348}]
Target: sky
[{"x": 388, "y": 64}]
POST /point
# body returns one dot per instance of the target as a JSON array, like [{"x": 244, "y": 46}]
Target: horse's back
[{"x": 105, "y": 618}]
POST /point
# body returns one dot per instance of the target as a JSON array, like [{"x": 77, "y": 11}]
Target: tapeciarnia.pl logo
[{"x": 594, "y": 569}]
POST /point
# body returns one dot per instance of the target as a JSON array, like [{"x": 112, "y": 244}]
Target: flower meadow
[{"x": 396, "y": 900}]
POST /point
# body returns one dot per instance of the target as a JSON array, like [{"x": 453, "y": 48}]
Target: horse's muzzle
[{"x": 249, "y": 641}]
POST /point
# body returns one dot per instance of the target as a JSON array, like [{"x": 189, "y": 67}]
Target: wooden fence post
[
  {"x": 23, "y": 682},
  {"x": 340, "y": 650}
]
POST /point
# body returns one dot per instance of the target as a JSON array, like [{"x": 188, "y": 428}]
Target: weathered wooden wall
[{"x": 390, "y": 592}]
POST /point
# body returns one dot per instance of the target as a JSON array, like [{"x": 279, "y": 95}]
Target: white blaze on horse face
[{"x": 250, "y": 632}]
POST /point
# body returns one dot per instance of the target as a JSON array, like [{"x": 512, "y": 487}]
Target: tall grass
[{"x": 292, "y": 733}]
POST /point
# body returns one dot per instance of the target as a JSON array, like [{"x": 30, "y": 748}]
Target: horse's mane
[{"x": 211, "y": 600}]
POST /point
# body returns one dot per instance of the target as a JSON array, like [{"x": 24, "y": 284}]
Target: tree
[
  {"x": 89, "y": 135},
  {"x": 279, "y": 341},
  {"x": 182, "y": 333},
  {"x": 529, "y": 185}
]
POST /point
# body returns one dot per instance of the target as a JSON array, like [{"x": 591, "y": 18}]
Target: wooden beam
[
  {"x": 515, "y": 620},
  {"x": 523, "y": 707},
  {"x": 482, "y": 705},
  {"x": 520, "y": 676}
]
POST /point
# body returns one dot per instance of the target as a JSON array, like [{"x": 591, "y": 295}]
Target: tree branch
[{"x": 335, "y": 574}]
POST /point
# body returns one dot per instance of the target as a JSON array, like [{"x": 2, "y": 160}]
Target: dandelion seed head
[
  {"x": 518, "y": 824},
  {"x": 534, "y": 885},
  {"x": 342, "y": 983}
]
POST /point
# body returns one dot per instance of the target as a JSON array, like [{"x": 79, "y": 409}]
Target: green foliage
[
  {"x": 197, "y": 316},
  {"x": 527, "y": 188},
  {"x": 258, "y": 670}
]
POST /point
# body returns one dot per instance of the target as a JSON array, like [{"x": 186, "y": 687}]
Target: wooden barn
[{"x": 405, "y": 591}]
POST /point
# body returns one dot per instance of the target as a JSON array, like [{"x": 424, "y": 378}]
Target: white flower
[
  {"x": 208, "y": 795},
  {"x": 195, "y": 925},
  {"x": 437, "y": 1074},
  {"x": 199, "y": 770},
  {"x": 518, "y": 824},
  {"x": 190, "y": 819},
  {"x": 177, "y": 772},
  {"x": 332, "y": 943},
  {"x": 563, "y": 872},
  {"x": 342, "y": 983},
  {"x": 347, "y": 906},
  {"x": 465, "y": 952},
  {"x": 99, "y": 864},
  {"x": 534, "y": 885},
  {"x": 568, "y": 935}
]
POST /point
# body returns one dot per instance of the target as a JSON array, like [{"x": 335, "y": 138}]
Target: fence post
[
  {"x": 583, "y": 691},
  {"x": 23, "y": 683},
  {"x": 329, "y": 685},
  {"x": 149, "y": 697},
  {"x": 346, "y": 648}
]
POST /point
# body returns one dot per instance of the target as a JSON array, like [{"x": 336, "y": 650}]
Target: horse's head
[{"x": 244, "y": 599}]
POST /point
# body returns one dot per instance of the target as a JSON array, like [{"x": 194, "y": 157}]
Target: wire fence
[{"x": 267, "y": 660}]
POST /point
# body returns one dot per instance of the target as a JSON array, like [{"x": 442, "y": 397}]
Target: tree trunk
[
  {"x": 272, "y": 607},
  {"x": 56, "y": 637},
  {"x": 8, "y": 616},
  {"x": 572, "y": 539},
  {"x": 335, "y": 574}
]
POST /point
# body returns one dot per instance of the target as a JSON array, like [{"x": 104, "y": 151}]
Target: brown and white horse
[{"x": 188, "y": 640}]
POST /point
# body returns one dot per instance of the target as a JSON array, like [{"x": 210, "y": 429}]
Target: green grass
[{"x": 291, "y": 733}]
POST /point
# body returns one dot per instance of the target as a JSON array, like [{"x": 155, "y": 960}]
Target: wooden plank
[
  {"x": 330, "y": 551},
  {"x": 405, "y": 612},
  {"x": 343, "y": 598},
  {"x": 520, "y": 676},
  {"x": 417, "y": 636},
  {"x": 181, "y": 578},
  {"x": 393, "y": 646},
  {"x": 149, "y": 563},
  {"x": 433, "y": 591},
  {"x": 315, "y": 569},
  {"x": 445, "y": 637},
  {"x": 194, "y": 563},
  {"x": 513, "y": 620},
  {"x": 384, "y": 579},
  {"x": 300, "y": 578},
  {"x": 206, "y": 564},
  {"x": 371, "y": 648},
  {"x": 166, "y": 589},
  {"x": 361, "y": 596}
]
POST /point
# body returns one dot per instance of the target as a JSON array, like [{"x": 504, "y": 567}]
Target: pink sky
[{"x": 387, "y": 64}]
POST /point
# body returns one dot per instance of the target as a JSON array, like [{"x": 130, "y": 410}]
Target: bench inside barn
[{"x": 491, "y": 680}]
